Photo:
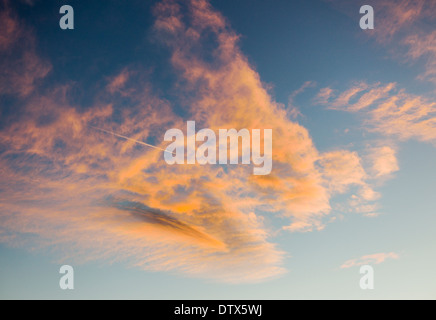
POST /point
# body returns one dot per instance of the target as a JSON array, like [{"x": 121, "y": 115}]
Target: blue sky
[{"x": 354, "y": 123}]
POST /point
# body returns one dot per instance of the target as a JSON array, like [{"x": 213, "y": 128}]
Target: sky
[{"x": 353, "y": 120}]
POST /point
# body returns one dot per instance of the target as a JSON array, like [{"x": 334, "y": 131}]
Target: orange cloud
[
  {"x": 408, "y": 21},
  {"x": 21, "y": 67},
  {"x": 423, "y": 46},
  {"x": 376, "y": 258},
  {"x": 10, "y": 29},
  {"x": 91, "y": 195},
  {"x": 390, "y": 111},
  {"x": 368, "y": 95},
  {"x": 229, "y": 94},
  {"x": 117, "y": 83},
  {"x": 393, "y": 17},
  {"x": 384, "y": 161},
  {"x": 344, "y": 169},
  {"x": 323, "y": 96}
]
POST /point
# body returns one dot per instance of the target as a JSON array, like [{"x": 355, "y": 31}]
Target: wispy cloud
[
  {"x": 383, "y": 161},
  {"x": 389, "y": 111},
  {"x": 21, "y": 66},
  {"x": 376, "y": 258},
  {"x": 293, "y": 110},
  {"x": 404, "y": 27}
]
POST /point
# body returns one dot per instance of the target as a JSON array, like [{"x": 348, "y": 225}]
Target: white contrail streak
[{"x": 130, "y": 139}]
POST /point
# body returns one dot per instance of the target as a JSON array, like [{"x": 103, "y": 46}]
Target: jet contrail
[{"x": 127, "y": 138}]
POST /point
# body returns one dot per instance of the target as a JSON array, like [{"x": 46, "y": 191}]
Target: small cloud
[
  {"x": 323, "y": 96},
  {"x": 372, "y": 215},
  {"x": 376, "y": 258},
  {"x": 383, "y": 161},
  {"x": 293, "y": 110},
  {"x": 391, "y": 112},
  {"x": 20, "y": 64},
  {"x": 119, "y": 81}
]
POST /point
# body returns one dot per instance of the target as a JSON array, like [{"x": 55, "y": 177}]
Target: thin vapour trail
[{"x": 130, "y": 139}]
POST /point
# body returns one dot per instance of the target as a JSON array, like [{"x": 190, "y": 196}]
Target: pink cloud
[
  {"x": 376, "y": 258},
  {"x": 384, "y": 161},
  {"x": 389, "y": 111},
  {"x": 423, "y": 46},
  {"x": 21, "y": 66}
]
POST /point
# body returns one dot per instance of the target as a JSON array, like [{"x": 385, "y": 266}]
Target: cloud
[
  {"x": 384, "y": 161},
  {"x": 423, "y": 46},
  {"x": 88, "y": 195},
  {"x": 392, "y": 18},
  {"x": 369, "y": 95},
  {"x": 390, "y": 111},
  {"x": 376, "y": 258},
  {"x": 346, "y": 173},
  {"x": 10, "y": 29},
  {"x": 344, "y": 169},
  {"x": 395, "y": 17},
  {"x": 407, "y": 22},
  {"x": 118, "y": 82},
  {"x": 21, "y": 67}
]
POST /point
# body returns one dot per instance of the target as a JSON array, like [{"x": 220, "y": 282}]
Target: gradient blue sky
[{"x": 298, "y": 48}]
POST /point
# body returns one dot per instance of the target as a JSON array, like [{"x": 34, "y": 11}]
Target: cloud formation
[
  {"x": 387, "y": 110},
  {"x": 384, "y": 161},
  {"x": 90, "y": 195},
  {"x": 423, "y": 46},
  {"x": 21, "y": 66}
]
